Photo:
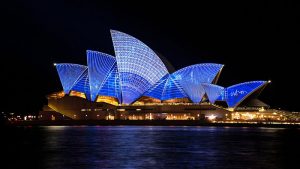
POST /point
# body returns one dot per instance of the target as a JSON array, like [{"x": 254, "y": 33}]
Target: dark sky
[{"x": 255, "y": 41}]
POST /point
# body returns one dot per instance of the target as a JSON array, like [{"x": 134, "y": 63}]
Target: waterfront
[{"x": 149, "y": 147}]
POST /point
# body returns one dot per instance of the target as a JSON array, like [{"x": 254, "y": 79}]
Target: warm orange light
[
  {"x": 77, "y": 94},
  {"x": 107, "y": 99}
]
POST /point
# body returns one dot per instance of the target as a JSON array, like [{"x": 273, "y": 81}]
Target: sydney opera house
[{"x": 139, "y": 84}]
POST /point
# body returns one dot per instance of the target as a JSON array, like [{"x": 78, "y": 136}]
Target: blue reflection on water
[{"x": 161, "y": 147}]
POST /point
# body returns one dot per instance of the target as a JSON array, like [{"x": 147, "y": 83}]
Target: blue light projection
[
  {"x": 137, "y": 70},
  {"x": 83, "y": 85},
  {"x": 99, "y": 65},
  {"x": 213, "y": 91},
  {"x": 173, "y": 90},
  {"x": 237, "y": 93},
  {"x": 69, "y": 74},
  {"x": 111, "y": 85},
  {"x": 130, "y": 90},
  {"x": 138, "y": 66},
  {"x": 165, "y": 89},
  {"x": 191, "y": 78},
  {"x": 156, "y": 91}
]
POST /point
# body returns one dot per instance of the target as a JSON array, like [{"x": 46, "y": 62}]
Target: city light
[{"x": 212, "y": 117}]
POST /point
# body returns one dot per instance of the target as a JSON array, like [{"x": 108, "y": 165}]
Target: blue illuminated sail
[
  {"x": 237, "y": 93},
  {"x": 165, "y": 89},
  {"x": 191, "y": 78},
  {"x": 156, "y": 91},
  {"x": 138, "y": 66},
  {"x": 213, "y": 91},
  {"x": 99, "y": 65},
  {"x": 111, "y": 85},
  {"x": 173, "y": 90},
  {"x": 83, "y": 85},
  {"x": 69, "y": 74}
]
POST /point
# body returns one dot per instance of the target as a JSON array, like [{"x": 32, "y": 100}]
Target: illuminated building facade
[{"x": 136, "y": 84}]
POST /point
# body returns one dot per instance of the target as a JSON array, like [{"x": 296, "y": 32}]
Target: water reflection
[{"x": 153, "y": 147}]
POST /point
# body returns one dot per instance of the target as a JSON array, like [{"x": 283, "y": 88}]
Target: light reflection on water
[{"x": 61, "y": 147}]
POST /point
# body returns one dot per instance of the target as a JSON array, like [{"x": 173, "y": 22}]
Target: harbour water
[{"x": 91, "y": 147}]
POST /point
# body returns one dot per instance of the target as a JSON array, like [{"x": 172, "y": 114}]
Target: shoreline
[{"x": 145, "y": 123}]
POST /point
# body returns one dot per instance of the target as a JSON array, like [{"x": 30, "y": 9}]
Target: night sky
[{"x": 255, "y": 41}]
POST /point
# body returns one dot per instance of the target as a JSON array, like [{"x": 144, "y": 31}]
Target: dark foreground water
[{"x": 149, "y": 147}]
